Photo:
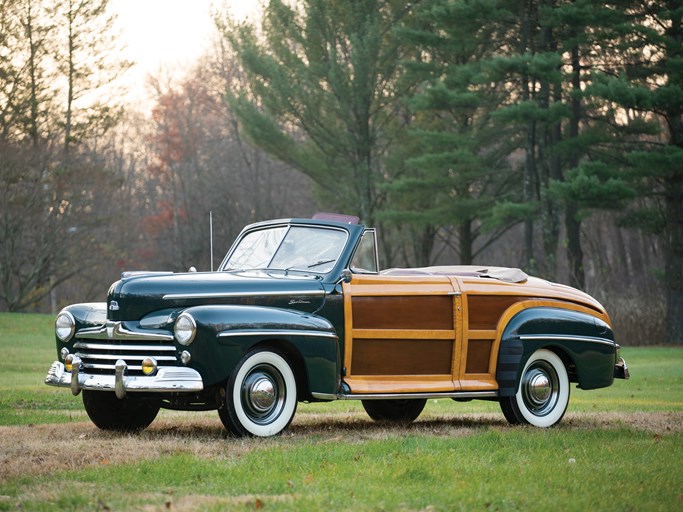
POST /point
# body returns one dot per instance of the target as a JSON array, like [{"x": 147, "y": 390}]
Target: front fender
[
  {"x": 86, "y": 315},
  {"x": 584, "y": 342},
  {"x": 225, "y": 333}
]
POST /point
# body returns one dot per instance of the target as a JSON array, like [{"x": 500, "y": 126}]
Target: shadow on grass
[{"x": 322, "y": 427}]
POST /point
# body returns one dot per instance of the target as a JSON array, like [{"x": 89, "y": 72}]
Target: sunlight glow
[{"x": 167, "y": 36}]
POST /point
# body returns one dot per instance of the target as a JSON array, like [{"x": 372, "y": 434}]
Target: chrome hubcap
[
  {"x": 540, "y": 388},
  {"x": 263, "y": 394}
]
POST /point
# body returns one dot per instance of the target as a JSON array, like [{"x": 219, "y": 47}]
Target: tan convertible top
[{"x": 509, "y": 275}]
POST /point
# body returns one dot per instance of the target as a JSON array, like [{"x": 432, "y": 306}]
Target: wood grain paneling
[
  {"x": 486, "y": 310},
  {"x": 403, "y": 312},
  {"x": 401, "y": 357},
  {"x": 478, "y": 356}
]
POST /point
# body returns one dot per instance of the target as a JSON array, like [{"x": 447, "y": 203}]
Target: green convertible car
[{"x": 300, "y": 311}]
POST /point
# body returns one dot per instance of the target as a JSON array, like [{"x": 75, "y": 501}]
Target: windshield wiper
[{"x": 321, "y": 262}]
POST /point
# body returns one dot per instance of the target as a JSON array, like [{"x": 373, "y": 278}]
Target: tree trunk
[
  {"x": 33, "y": 74},
  {"x": 577, "y": 277},
  {"x": 423, "y": 244},
  {"x": 70, "y": 80},
  {"x": 673, "y": 186},
  {"x": 529, "y": 149},
  {"x": 466, "y": 242},
  {"x": 674, "y": 259}
]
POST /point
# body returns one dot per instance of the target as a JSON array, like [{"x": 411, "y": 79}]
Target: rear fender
[{"x": 585, "y": 344}]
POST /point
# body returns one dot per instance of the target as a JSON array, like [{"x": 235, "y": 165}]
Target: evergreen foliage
[
  {"x": 323, "y": 93},
  {"x": 466, "y": 117}
]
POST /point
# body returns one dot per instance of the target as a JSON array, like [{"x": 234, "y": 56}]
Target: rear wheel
[
  {"x": 401, "y": 410},
  {"x": 543, "y": 394},
  {"x": 130, "y": 414},
  {"x": 261, "y": 395}
]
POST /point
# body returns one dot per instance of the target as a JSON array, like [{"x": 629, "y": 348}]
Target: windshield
[{"x": 311, "y": 249}]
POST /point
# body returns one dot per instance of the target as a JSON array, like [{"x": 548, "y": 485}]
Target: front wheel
[
  {"x": 401, "y": 410},
  {"x": 543, "y": 394},
  {"x": 261, "y": 395},
  {"x": 130, "y": 414}
]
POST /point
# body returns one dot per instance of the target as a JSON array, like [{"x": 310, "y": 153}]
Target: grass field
[{"x": 619, "y": 448}]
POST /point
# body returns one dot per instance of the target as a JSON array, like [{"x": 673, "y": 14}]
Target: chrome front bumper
[{"x": 166, "y": 380}]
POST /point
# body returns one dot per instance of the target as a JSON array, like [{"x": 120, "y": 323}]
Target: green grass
[
  {"x": 28, "y": 348},
  {"x": 618, "y": 448},
  {"x": 495, "y": 469}
]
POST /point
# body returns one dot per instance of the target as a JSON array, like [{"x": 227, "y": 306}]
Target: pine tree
[
  {"x": 642, "y": 98},
  {"x": 322, "y": 93},
  {"x": 456, "y": 171}
]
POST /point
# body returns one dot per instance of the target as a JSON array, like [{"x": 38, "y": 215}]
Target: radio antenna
[{"x": 211, "y": 236}]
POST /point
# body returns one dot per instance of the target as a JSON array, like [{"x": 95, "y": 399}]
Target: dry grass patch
[
  {"x": 41, "y": 449},
  {"x": 45, "y": 449},
  {"x": 203, "y": 502}
]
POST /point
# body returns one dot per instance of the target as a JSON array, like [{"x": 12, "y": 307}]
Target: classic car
[{"x": 299, "y": 310}]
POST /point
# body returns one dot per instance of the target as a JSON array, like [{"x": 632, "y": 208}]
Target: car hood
[{"x": 137, "y": 295}]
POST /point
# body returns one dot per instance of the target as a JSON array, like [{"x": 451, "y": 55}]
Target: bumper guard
[
  {"x": 167, "y": 380},
  {"x": 621, "y": 370}
]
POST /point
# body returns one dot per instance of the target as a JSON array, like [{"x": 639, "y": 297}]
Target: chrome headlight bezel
[
  {"x": 65, "y": 326},
  {"x": 185, "y": 329}
]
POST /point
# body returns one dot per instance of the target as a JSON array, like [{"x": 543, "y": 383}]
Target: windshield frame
[{"x": 289, "y": 225}]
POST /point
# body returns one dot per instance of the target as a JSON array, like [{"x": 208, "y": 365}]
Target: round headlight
[
  {"x": 185, "y": 329},
  {"x": 65, "y": 326}
]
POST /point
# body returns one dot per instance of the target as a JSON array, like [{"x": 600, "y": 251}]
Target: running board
[{"x": 465, "y": 395}]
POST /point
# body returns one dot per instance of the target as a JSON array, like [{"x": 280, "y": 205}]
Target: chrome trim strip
[
  {"x": 114, "y": 357},
  {"x": 138, "y": 348},
  {"x": 116, "y": 331},
  {"x": 384, "y": 396},
  {"x": 277, "y": 332},
  {"x": 227, "y": 295},
  {"x": 167, "y": 380},
  {"x": 111, "y": 367},
  {"x": 566, "y": 337}
]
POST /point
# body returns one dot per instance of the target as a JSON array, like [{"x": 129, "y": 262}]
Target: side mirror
[{"x": 346, "y": 276}]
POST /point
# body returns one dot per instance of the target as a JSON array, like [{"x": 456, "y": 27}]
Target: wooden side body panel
[
  {"x": 435, "y": 333},
  {"x": 400, "y": 334}
]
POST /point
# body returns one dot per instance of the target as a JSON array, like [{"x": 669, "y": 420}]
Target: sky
[{"x": 166, "y": 35}]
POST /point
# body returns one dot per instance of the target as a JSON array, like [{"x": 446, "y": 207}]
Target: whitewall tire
[
  {"x": 261, "y": 395},
  {"x": 543, "y": 392}
]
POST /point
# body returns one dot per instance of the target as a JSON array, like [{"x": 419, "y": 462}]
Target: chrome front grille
[
  {"x": 100, "y": 358},
  {"x": 99, "y": 349}
]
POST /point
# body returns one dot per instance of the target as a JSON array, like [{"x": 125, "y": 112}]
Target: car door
[{"x": 401, "y": 333}]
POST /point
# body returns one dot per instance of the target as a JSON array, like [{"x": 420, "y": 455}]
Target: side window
[{"x": 365, "y": 259}]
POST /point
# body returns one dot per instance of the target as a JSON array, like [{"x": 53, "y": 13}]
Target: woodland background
[{"x": 542, "y": 134}]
